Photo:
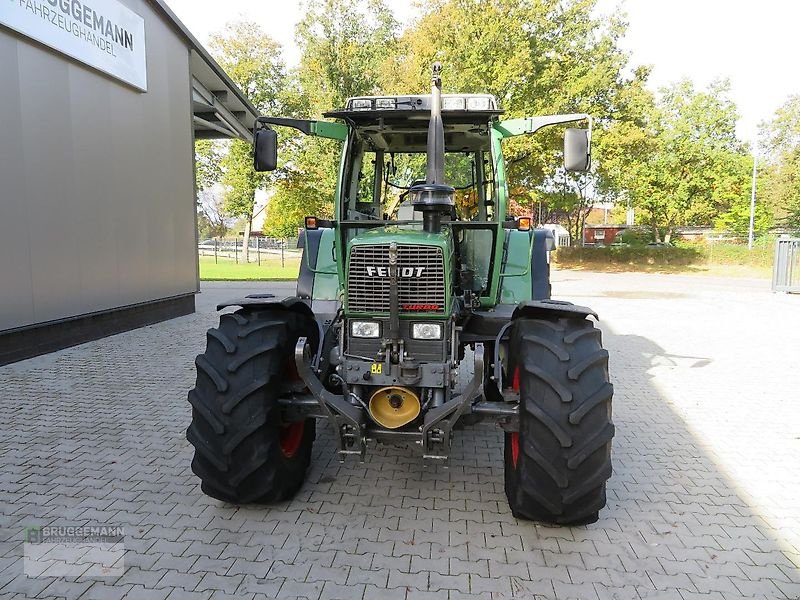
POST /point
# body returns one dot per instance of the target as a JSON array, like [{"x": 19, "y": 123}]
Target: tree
[
  {"x": 253, "y": 61},
  {"x": 780, "y": 141},
  {"x": 537, "y": 57},
  {"x": 207, "y": 171},
  {"x": 682, "y": 163},
  {"x": 343, "y": 46},
  {"x": 734, "y": 210},
  {"x": 211, "y": 217}
]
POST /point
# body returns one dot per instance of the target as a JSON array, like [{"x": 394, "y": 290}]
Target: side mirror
[
  {"x": 577, "y": 152},
  {"x": 265, "y": 150}
]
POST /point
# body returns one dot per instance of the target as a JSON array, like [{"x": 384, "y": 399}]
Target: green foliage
[
  {"x": 630, "y": 255},
  {"x": 240, "y": 179},
  {"x": 781, "y": 145},
  {"x": 343, "y": 46},
  {"x": 675, "y": 157},
  {"x": 253, "y": 61},
  {"x": 636, "y": 236},
  {"x": 683, "y": 162},
  {"x": 541, "y": 57},
  {"x": 207, "y": 168},
  {"x": 762, "y": 254},
  {"x": 305, "y": 190},
  {"x": 735, "y": 216}
]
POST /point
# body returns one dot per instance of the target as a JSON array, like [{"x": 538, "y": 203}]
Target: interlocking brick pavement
[{"x": 704, "y": 501}]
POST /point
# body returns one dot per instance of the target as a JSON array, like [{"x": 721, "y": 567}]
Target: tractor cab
[{"x": 387, "y": 155}]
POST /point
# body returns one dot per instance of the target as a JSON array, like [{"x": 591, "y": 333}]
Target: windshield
[{"x": 384, "y": 178}]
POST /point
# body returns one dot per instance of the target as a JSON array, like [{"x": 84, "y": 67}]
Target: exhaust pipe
[
  {"x": 436, "y": 130},
  {"x": 434, "y": 197}
]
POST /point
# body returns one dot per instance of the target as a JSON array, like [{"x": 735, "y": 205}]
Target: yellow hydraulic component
[{"x": 394, "y": 406}]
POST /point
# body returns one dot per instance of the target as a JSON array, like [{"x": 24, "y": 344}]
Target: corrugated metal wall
[{"x": 96, "y": 181}]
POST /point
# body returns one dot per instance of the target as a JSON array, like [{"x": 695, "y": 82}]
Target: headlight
[
  {"x": 426, "y": 331},
  {"x": 365, "y": 329}
]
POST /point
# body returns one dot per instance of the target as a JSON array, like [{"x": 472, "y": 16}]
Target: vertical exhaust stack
[
  {"x": 434, "y": 197},
  {"x": 436, "y": 130}
]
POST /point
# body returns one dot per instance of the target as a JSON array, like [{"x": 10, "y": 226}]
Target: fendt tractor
[{"x": 419, "y": 304}]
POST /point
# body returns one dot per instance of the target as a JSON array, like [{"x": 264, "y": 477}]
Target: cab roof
[{"x": 400, "y": 123}]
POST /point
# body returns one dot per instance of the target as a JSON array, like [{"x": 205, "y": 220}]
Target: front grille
[{"x": 368, "y": 280}]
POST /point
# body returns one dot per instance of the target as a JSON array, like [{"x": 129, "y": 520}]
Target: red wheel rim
[
  {"x": 291, "y": 438},
  {"x": 515, "y": 434},
  {"x": 514, "y": 448},
  {"x": 515, "y": 380}
]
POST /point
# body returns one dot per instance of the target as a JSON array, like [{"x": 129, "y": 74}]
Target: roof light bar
[{"x": 450, "y": 102}]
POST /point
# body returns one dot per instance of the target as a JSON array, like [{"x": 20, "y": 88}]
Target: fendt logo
[{"x": 401, "y": 271}]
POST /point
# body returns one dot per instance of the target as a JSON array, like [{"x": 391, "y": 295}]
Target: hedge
[
  {"x": 630, "y": 255},
  {"x": 668, "y": 256}
]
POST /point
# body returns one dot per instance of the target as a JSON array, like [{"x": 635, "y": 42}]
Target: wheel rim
[
  {"x": 291, "y": 437},
  {"x": 515, "y": 434},
  {"x": 514, "y": 448}
]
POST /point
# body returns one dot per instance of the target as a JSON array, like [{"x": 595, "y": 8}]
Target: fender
[
  {"x": 552, "y": 308},
  {"x": 537, "y": 309},
  {"x": 543, "y": 243},
  {"x": 309, "y": 240},
  {"x": 268, "y": 301}
]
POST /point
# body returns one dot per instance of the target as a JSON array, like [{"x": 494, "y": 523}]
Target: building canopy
[{"x": 219, "y": 108}]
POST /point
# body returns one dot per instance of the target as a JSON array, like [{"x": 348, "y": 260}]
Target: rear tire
[
  {"x": 557, "y": 465},
  {"x": 243, "y": 451}
]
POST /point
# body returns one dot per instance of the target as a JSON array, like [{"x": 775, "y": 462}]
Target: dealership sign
[{"x": 101, "y": 33}]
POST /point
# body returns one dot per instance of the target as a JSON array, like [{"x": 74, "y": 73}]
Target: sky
[{"x": 754, "y": 44}]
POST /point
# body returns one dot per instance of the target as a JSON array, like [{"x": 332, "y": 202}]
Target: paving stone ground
[{"x": 704, "y": 501}]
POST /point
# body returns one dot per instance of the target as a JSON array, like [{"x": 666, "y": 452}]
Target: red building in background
[{"x": 601, "y": 235}]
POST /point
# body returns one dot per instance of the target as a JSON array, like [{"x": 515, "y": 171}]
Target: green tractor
[{"x": 420, "y": 304}]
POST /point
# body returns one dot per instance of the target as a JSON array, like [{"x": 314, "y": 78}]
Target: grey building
[{"x": 101, "y": 102}]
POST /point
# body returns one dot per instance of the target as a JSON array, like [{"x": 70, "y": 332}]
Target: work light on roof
[
  {"x": 361, "y": 104},
  {"x": 385, "y": 103},
  {"x": 450, "y": 102},
  {"x": 478, "y": 103},
  {"x": 453, "y": 103}
]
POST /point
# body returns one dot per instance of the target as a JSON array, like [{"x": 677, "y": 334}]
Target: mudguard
[
  {"x": 268, "y": 301},
  {"x": 543, "y": 243},
  {"x": 309, "y": 241},
  {"x": 552, "y": 308}
]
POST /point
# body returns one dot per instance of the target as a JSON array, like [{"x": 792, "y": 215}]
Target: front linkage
[{"x": 351, "y": 422}]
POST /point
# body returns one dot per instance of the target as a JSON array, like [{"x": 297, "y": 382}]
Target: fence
[
  {"x": 260, "y": 250},
  {"x": 786, "y": 268}
]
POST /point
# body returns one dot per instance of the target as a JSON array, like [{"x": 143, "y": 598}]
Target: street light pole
[{"x": 752, "y": 201}]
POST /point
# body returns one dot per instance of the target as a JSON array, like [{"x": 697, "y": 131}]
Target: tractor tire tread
[
  {"x": 236, "y": 417},
  {"x": 563, "y": 452}
]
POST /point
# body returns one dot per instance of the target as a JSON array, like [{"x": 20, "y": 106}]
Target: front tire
[
  {"x": 557, "y": 465},
  {"x": 244, "y": 452}
]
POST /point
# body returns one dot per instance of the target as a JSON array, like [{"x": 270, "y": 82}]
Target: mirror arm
[
  {"x": 528, "y": 125},
  {"x": 324, "y": 129}
]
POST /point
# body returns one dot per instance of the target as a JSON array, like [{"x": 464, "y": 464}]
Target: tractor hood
[{"x": 405, "y": 235}]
